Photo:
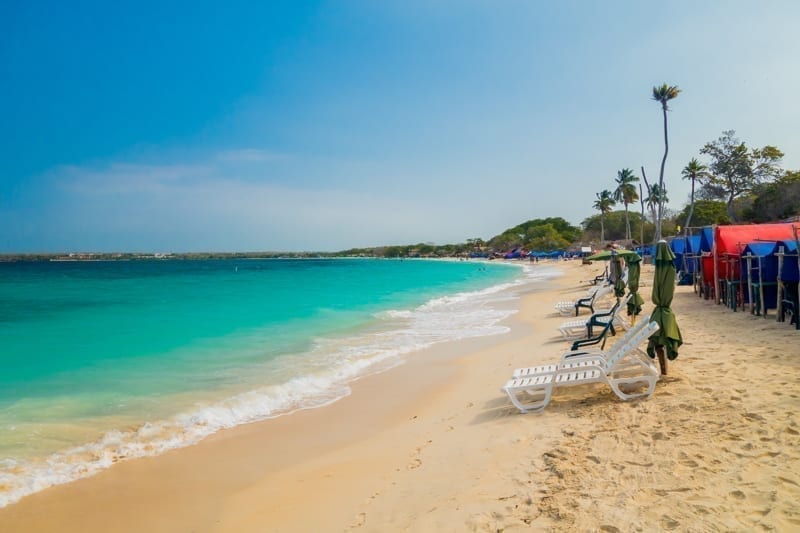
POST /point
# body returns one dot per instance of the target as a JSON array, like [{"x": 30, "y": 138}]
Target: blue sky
[{"x": 327, "y": 125}]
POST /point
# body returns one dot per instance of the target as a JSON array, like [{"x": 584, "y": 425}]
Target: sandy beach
[{"x": 434, "y": 445}]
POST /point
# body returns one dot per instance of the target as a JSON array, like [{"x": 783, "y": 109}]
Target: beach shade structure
[
  {"x": 668, "y": 337},
  {"x": 635, "y": 301}
]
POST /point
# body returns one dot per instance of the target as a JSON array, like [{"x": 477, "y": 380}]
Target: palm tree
[
  {"x": 626, "y": 193},
  {"x": 694, "y": 171},
  {"x": 663, "y": 94},
  {"x": 656, "y": 196},
  {"x": 603, "y": 204}
]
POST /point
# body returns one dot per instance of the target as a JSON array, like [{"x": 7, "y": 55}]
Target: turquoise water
[{"x": 103, "y": 361}]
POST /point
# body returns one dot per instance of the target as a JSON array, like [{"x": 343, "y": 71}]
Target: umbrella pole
[{"x": 662, "y": 359}]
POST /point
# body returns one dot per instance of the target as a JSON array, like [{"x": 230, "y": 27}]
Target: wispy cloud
[{"x": 248, "y": 155}]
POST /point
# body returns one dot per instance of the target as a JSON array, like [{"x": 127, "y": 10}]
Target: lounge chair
[
  {"x": 579, "y": 329},
  {"x": 584, "y": 348},
  {"x": 622, "y": 366},
  {"x": 567, "y": 306}
]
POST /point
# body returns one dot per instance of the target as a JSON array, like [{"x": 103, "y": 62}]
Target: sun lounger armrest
[{"x": 601, "y": 337}]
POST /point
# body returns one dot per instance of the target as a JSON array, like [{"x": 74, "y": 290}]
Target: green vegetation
[{"x": 604, "y": 203}]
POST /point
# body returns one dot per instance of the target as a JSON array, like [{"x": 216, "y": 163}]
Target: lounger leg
[{"x": 541, "y": 397}]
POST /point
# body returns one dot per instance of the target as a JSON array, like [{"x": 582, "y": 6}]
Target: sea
[{"x": 103, "y": 361}]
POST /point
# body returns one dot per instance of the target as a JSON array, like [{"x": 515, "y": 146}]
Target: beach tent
[
  {"x": 707, "y": 239},
  {"x": 678, "y": 246},
  {"x": 759, "y": 267},
  {"x": 788, "y": 278},
  {"x": 727, "y": 246},
  {"x": 789, "y": 270}
]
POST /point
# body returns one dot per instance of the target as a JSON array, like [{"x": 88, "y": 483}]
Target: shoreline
[
  {"x": 367, "y": 348},
  {"x": 433, "y": 445}
]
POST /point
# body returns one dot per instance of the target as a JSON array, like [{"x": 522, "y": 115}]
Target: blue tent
[
  {"x": 693, "y": 244},
  {"x": 790, "y": 271},
  {"x": 706, "y": 239}
]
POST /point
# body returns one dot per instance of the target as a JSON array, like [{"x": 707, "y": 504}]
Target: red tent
[{"x": 729, "y": 241}]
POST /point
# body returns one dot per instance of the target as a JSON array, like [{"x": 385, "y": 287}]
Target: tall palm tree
[
  {"x": 604, "y": 203},
  {"x": 694, "y": 171},
  {"x": 626, "y": 193},
  {"x": 663, "y": 94}
]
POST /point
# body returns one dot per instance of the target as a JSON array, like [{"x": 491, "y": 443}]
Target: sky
[{"x": 321, "y": 126}]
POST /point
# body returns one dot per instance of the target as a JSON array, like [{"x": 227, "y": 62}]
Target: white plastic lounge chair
[
  {"x": 622, "y": 366},
  {"x": 566, "y": 307},
  {"x": 568, "y": 357},
  {"x": 580, "y": 328}
]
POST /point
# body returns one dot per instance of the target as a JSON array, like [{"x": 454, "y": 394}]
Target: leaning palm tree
[
  {"x": 626, "y": 193},
  {"x": 663, "y": 94},
  {"x": 694, "y": 171},
  {"x": 604, "y": 203}
]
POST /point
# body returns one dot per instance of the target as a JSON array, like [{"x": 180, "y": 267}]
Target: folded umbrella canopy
[
  {"x": 634, "y": 271},
  {"x": 668, "y": 335},
  {"x": 605, "y": 255}
]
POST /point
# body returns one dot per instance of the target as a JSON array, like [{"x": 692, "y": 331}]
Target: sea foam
[{"x": 322, "y": 376}]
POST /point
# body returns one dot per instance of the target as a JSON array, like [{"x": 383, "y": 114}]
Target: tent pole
[
  {"x": 714, "y": 258},
  {"x": 797, "y": 242},
  {"x": 761, "y": 289},
  {"x": 749, "y": 259},
  {"x": 779, "y": 285}
]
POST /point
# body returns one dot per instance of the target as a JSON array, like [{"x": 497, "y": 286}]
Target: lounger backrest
[{"x": 631, "y": 343}]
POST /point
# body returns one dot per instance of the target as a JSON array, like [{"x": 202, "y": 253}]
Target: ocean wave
[{"x": 324, "y": 377}]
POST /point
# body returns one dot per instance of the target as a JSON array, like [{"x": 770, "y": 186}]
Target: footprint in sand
[
  {"x": 414, "y": 464},
  {"x": 739, "y": 495}
]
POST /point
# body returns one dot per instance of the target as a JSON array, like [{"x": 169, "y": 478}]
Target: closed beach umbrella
[
  {"x": 615, "y": 273},
  {"x": 634, "y": 271},
  {"x": 669, "y": 335}
]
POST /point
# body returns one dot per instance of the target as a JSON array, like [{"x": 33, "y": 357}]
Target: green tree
[
  {"x": 736, "y": 170},
  {"x": 614, "y": 225},
  {"x": 778, "y": 200},
  {"x": 663, "y": 94},
  {"x": 604, "y": 203},
  {"x": 626, "y": 193},
  {"x": 694, "y": 171},
  {"x": 546, "y": 238},
  {"x": 706, "y": 213}
]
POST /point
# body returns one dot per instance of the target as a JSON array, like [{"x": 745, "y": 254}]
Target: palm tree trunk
[
  {"x": 691, "y": 212},
  {"x": 661, "y": 174},
  {"x": 627, "y": 225},
  {"x": 602, "y": 231}
]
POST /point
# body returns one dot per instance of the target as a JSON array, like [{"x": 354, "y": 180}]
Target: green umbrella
[
  {"x": 615, "y": 273},
  {"x": 606, "y": 254},
  {"x": 634, "y": 270},
  {"x": 668, "y": 335}
]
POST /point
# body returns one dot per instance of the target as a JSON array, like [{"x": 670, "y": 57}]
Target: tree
[
  {"x": 656, "y": 197},
  {"x": 663, "y": 94},
  {"x": 707, "y": 212},
  {"x": 736, "y": 170},
  {"x": 614, "y": 225},
  {"x": 693, "y": 171},
  {"x": 776, "y": 201},
  {"x": 604, "y": 203},
  {"x": 626, "y": 193}
]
